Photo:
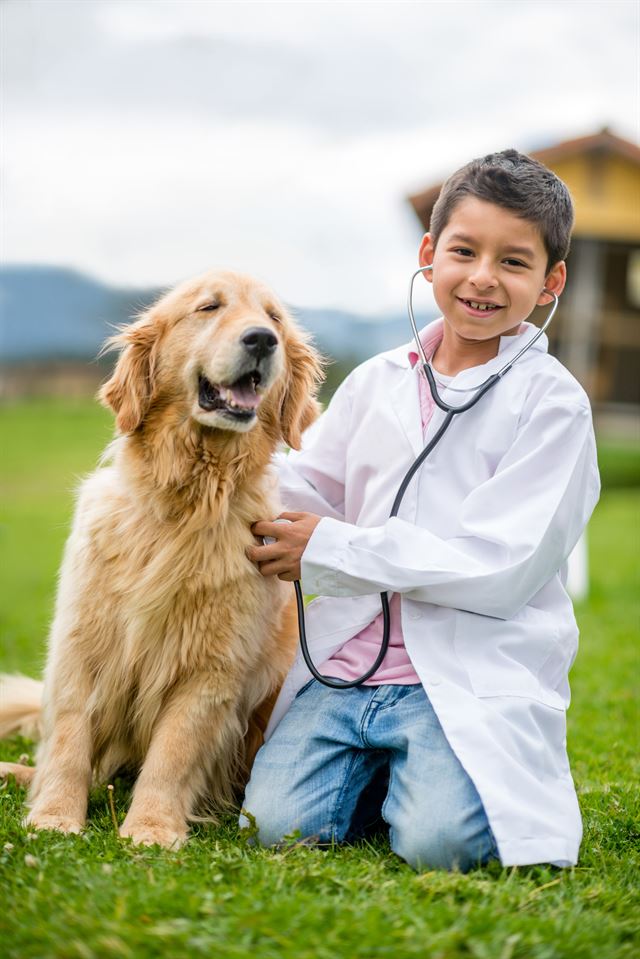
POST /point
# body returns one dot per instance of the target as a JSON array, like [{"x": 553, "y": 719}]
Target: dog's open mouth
[{"x": 239, "y": 400}]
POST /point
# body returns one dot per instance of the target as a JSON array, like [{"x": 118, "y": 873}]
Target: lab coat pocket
[{"x": 506, "y": 657}]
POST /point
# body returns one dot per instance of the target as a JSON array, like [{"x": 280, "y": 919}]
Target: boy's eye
[{"x": 465, "y": 251}]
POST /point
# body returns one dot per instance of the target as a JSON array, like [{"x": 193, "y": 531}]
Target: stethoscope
[{"x": 450, "y": 411}]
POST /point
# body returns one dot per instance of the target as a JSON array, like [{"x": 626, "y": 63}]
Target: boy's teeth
[{"x": 482, "y": 306}]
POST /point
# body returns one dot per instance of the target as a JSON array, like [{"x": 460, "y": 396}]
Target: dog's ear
[
  {"x": 305, "y": 374},
  {"x": 130, "y": 388}
]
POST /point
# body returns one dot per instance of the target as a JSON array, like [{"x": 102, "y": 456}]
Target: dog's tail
[{"x": 20, "y": 706}]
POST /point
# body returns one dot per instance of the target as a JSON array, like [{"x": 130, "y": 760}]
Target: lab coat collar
[
  {"x": 476, "y": 375},
  {"x": 404, "y": 393}
]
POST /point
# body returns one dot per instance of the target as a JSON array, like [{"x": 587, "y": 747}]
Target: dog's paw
[
  {"x": 147, "y": 832},
  {"x": 22, "y": 774},
  {"x": 45, "y": 820}
]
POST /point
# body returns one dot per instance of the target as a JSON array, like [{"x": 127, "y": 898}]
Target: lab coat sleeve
[
  {"x": 312, "y": 479},
  {"x": 514, "y": 530}
]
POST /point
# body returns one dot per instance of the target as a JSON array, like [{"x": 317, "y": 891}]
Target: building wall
[{"x": 606, "y": 194}]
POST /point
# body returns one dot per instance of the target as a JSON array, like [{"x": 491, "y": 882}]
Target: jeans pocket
[{"x": 304, "y": 688}]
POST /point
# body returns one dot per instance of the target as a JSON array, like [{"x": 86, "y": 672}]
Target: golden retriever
[{"x": 166, "y": 638}]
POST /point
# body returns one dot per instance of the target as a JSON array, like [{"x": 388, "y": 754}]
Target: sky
[{"x": 145, "y": 141}]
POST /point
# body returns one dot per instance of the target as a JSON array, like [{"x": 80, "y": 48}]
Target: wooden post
[{"x": 583, "y": 311}]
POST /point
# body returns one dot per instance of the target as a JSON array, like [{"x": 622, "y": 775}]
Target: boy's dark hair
[{"x": 521, "y": 185}]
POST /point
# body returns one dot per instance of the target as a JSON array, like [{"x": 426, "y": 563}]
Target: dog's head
[{"x": 223, "y": 350}]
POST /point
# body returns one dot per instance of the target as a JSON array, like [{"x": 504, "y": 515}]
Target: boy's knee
[
  {"x": 445, "y": 846},
  {"x": 274, "y": 830},
  {"x": 272, "y": 821},
  {"x": 261, "y": 829},
  {"x": 266, "y": 819}
]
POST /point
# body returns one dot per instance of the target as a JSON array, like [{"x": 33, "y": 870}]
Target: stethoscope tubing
[
  {"x": 384, "y": 599},
  {"x": 451, "y": 412}
]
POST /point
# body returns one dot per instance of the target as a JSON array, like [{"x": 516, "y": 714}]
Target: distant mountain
[
  {"x": 56, "y": 313},
  {"x": 349, "y": 336},
  {"x": 52, "y": 312}
]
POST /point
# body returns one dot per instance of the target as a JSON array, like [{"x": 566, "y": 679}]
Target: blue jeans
[{"x": 325, "y": 771}]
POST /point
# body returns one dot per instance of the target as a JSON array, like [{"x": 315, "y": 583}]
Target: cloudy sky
[{"x": 146, "y": 140}]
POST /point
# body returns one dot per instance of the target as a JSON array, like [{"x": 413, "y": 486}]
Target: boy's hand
[{"x": 282, "y": 558}]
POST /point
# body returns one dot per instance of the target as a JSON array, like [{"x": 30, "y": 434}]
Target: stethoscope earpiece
[{"x": 497, "y": 376}]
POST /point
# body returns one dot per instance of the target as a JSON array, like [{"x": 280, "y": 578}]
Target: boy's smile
[{"x": 489, "y": 270}]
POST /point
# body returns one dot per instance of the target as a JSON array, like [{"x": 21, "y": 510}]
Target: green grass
[{"x": 95, "y": 896}]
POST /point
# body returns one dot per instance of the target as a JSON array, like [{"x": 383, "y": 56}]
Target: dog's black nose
[{"x": 259, "y": 341}]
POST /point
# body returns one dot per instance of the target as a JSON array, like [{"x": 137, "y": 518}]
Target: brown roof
[{"x": 602, "y": 142}]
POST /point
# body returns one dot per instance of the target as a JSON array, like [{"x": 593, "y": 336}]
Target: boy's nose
[{"x": 483, "y": 277}]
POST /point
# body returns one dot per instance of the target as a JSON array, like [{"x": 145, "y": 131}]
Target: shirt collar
[{"x": 431, "y": 335}]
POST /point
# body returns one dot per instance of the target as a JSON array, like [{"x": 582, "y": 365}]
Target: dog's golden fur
[{"x": 166, "y": 639}]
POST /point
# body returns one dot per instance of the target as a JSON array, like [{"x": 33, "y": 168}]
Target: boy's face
[{"x": 489, "y": 269}]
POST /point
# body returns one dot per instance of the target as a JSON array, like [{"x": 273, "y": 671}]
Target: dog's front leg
[
  {"x": 60, "y": 786},
  {"x": 198, "y": 729}
]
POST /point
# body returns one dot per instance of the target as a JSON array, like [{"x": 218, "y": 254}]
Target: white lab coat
[{"x": 478, "y": 552}]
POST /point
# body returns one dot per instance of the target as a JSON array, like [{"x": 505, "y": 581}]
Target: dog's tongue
[{"x": 244, "y": 394}]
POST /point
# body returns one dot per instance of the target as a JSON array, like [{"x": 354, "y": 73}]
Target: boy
[{"x": 463, "y": 725}]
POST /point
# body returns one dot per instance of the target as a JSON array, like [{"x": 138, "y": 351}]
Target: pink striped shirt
[{"x": 357, "y": 655}]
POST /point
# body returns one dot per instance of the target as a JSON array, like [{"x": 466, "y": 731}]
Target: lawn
[{"x": 96, "y": 896}]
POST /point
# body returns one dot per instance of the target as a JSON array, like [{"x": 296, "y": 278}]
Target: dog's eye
[
  {"x": 208, "y": 307},
  {"x": 275, "y": 317}
]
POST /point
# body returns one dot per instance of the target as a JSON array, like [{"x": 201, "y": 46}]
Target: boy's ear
[
  {"x": 425, "y": 255},
  {"x": 554, "y": 283}
]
